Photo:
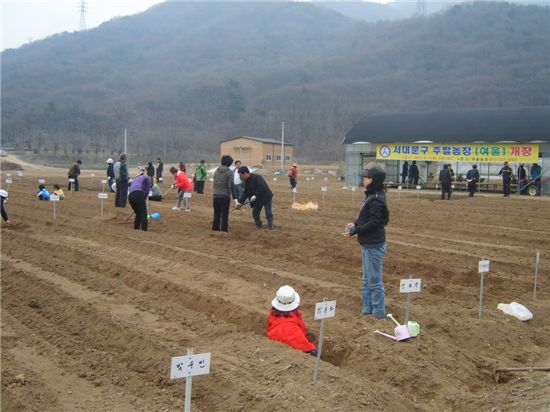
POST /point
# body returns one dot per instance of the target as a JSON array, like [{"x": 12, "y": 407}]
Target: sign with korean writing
[
  {"x": 9, "y": 181},
  {"x": 102, "y": 196},
  {"x": 489, "y": 153},
  {"x": 324, "y": 310},
  {"x": 410, "y": 285},
  {"x": 41, "y": 181},
  {"x": 187, "y": 195},
  {"x": 54, "y": 198},
  {"x": 191, "y": 365},
  {"x": 483, "y": 266}
]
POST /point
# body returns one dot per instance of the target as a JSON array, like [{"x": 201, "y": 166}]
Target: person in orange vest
[{"x": 285, "y": 323}]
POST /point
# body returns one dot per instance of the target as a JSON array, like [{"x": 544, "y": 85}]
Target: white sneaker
[
  {"x": 187, "y": 210},
  {"x": 175, "y": 208}
]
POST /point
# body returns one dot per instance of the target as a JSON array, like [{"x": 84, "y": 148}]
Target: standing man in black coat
[
  {"x": 414, "y": 174},
  {"x": 506, "y": 173},
  {"x": 160, "y": 167},
  {"x": 121, "y": 178},
  {"x": 472, "y": 177},
  {"x": 445, "y": 179},
  {"x": 257, "y": 190},
  {"x": 404, "y": 172}
]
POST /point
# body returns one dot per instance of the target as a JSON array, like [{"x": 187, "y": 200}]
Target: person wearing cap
[
  {"x": 3, "y": 199},
  {"x": 293, "y": 175},
  {"x": 110, "y": 173},
  {"x": 184, "y": 185},
  {"x": 121, "y": 178},
  {"x": 200, "y": 176},
  {"x": 257, "y": 190},
  {"x": 160, "y": 168},
  {"x": 42, "y": 193},
  {"x": 472, "y": 177},
  {"x": 222, "y": 190},
  {"x": 445, "y": 179},
  {"x": 137, "y": 196},
  {"x": 73, "y": 173},
  {"x": 371, "y": 235},
  {"x": 285, "y": 323},
  {"x": 506, "y": 173}
]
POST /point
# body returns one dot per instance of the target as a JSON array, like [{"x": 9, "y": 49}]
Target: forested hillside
[{"x": 193, "y": 74}]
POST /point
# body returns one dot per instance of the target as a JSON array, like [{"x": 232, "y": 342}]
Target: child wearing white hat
[
  {"x": 285, "y": 323},
  {"x": 3, "y": 199}
]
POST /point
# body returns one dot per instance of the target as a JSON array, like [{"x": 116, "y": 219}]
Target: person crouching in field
[
  {"x": 58, "y": 192},
  {"x": 42, "y": 193},
  {"x": 371, "y": 234},
  {"x": 285, "y": 323},
  {"x": 184, "y": 186},
  {"x": 137, "y": 196},
  {"x": 223, "y": 188},
  {"x": 156, "y": 195},
  {"x": 257, "y": 190}
]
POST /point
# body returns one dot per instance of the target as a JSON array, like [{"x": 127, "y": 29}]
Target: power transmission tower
[
  {"x": 420, "y": 7},
  {"x": 83, "y": 9}
]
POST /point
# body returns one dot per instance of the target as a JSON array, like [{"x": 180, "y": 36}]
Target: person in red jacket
[
  {"x": 293, "y": 175},
  {"x": 184, "y": 186},
  {"x": 285, "y": 323}
]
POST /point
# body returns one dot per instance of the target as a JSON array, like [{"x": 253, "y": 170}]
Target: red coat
[
  {"x": 291, "y": 331},
  {"x": 182, "y": 182},
  {"x": 293, "y": 173}
]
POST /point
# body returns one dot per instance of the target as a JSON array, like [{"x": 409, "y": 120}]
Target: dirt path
[{"x": 92, "y": 311}]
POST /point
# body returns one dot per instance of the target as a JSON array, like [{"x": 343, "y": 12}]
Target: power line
[{"x": 83, "y": 10}]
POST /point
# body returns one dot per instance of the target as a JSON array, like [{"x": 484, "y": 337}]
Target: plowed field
[{"x": 93, "y": 311}]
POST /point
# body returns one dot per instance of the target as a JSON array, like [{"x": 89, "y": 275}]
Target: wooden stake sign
[
  {"x": 54, "y": 199},
  {"x": 482, "y": 268},
  {"x": 294, "y": 195},
  {"x": 323, "y": 311},
  {"x": 187, "y": 367},
  {"x": 102, "y": 196},
  {"x": 103, "y": 183},
  {"x": 324, "y": 190},
  {"x": 409, "y": 286}
]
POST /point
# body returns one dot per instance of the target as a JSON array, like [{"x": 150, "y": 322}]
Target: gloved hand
[
  {"x": 236, "y": 202},
  {"x": 252, "y": 199}
]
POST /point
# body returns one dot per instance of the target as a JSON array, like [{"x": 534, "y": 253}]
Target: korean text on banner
[{"x": 489, "y": 153}]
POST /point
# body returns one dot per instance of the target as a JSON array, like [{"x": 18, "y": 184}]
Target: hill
[{"x": 192, "y": 74}]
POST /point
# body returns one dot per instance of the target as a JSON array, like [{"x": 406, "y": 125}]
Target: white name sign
[
  {"x": 294, "y": 190},
  {"x": 418, "y": 187},
  {"x": 410, "y": 285},
  {"x": 20, "y": 174},
  {"x": 41, "y": 181},
  {"x": 353, "y": 189},
  {"x": 191, "y": 365},
  {"x": 483, "y": 266},
  {"x": 324, "y": 310},
  {"x": 102, "y": 196},
  {"x": 103, "y": 181},
  {"x": 54, "y": 198},
  {"x": 8, "y": 174},
  {"x": 187, "y": 194},
  {"x": 92, "y": 174},
  {"x": 9, "y": 181},
  {"x": 399, "y": 187},
  {"x": 71, "y": 180},
  {"x": 324, "y": 189}
]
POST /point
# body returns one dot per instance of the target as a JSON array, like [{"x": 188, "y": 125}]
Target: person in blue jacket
[{"x": 43, "y": 193}]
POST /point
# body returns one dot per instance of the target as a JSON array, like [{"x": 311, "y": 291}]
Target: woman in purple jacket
[{"x": 139, "y": 190}]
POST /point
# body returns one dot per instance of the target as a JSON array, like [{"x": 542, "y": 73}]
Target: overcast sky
[{"x": 30, "y": 20}]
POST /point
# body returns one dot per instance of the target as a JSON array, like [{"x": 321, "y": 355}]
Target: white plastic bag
[{"x": 516, "y": 310}]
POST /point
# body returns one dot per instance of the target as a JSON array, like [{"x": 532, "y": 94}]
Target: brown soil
[{"x": 92, "y": 311}]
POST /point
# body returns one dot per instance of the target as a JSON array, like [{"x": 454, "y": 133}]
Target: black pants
[
  {"x": 200, "y": 186},
  {"x": 472, "y": 187},
  {"x": 121, "y": 194},
  {"x": 76, "y": 185},
  {"x": 156, "y": 198},
  {"x": 403, "y": 178},
  {"x": 292, "y": 183},
  {"x": 221, "y": 213},
  {"x": 445, "y": 188},
  {"x": 506, "y": 186},
  {"x": 137, "y": 201}
]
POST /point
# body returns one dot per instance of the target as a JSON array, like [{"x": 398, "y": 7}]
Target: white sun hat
[
  {"x": 3, "y": 193},
  {"x": 109, "y": 160},
  {"x": 286, "y": 299}
]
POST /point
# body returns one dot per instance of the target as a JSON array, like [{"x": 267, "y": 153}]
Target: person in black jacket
[
  {"x": 160, "y": 168},
  {"x": 506, "y": 173},
  {"x": 110, "y": 173},
  {"x": 472, "y": 177},
  {"x": 151, "y": 171},
  {"x": 404, "y": 172},
  {"x": 257, "y": 190},
  {"x": 445, "y": 179},
  {"x": 371, "y": 235},
  {"x": 414, "y": 174}
]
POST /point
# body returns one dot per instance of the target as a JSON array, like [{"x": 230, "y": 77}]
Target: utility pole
[
  {"x": 83, "y": 9},
  {"x": 283, "y": 147},
  {"x": 125, "y": 140},
  {"x": 421, "y": 8}
]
